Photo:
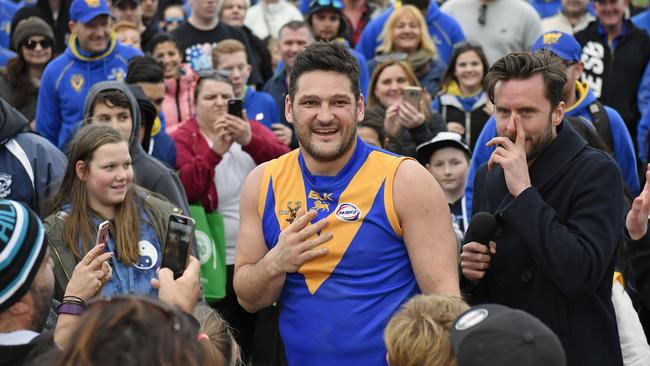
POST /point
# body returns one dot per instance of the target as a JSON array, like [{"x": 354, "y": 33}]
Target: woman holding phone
[
  {"x": 462, "y": 102},
  {"x": 215, "y": 152},
  {"x": 98, "y": 186},
  {"x": 409, "y": 120}
]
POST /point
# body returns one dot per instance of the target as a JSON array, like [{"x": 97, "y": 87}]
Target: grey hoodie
[{"x": 149, "y": 172}]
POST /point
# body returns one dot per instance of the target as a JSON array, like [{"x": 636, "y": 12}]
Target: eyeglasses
[
  {"x": 174, "y": 20},
  {"x": 482, "y": 13},
  {"x": 45, "y": 44},
  {"x": 336, "y": 4},
  {"x": 391, "y": 57}
]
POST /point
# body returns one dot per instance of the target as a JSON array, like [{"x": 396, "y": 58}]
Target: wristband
[{"x": 70, "y": 309}]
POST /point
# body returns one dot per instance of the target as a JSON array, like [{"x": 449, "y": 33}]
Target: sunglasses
[
  {"x": 31, "y": 44},
  {"x": 336, "y": 4},
  {"x": 174, "y": 20}
]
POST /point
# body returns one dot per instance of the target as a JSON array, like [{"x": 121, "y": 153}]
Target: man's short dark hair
[
  {"x": 524, "y": 65},
  {"x": 112, "y": 98},
  {"x": 325, "y": 56},
  {"x": 144, "y": 69},
  {"x": 294, "y": 25}
]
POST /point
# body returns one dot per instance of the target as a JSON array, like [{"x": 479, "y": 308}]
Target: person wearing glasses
[
  {"x": 215, "y": 153},
  {"x": 499, "y": 26},
  {"x": 19, "y": 82},
  {"x": 406, "y": 38},
  {"x": 173, "y": 16}
]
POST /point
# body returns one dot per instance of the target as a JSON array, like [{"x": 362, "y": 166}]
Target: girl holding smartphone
[{"x": 98, "y": 186}]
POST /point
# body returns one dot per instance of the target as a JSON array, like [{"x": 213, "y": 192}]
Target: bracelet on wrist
[{"x": 71, "y": 308}]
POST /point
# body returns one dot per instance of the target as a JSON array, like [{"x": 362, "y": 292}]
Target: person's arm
[
  {"x": 48, "y": 114},
  {"x": 264, "y": 145},
  {"x": 196, "y": 172},
  {"x": 88, "y": 278},
  {"x": 259, "y": 272},
  {"x": 624, "y": 151},
  {"x": 428, "y": 236}
]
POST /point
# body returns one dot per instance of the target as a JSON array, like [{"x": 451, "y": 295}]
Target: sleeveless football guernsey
[{"x": 333, "y": 311}]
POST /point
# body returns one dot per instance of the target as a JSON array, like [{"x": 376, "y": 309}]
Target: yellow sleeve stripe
[{"x": 389, "y": 204}]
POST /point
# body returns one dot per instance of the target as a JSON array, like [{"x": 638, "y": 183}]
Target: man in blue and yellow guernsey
[
  {"x": 338, "y": 232},
  {"x": 93, "y": 55}
]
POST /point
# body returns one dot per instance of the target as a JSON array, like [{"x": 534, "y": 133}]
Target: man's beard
[{"x": 42, "y": 299}]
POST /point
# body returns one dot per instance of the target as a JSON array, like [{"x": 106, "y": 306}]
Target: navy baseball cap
[
  {"x": 562, "y": 44},
  {"x": 442, "y": 139},
  {"x": 86, "y": 10}
]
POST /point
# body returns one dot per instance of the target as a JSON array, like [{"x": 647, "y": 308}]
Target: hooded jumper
[
  {"x": 149, "y": 172},
  {"x": 30, "y": 166},
  {"x": 66, "y": 81}
]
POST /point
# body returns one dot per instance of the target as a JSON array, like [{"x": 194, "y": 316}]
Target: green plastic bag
[{"x": 211, "y": 241}]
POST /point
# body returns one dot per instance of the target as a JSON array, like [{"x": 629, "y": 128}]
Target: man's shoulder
[{"x": 127, "y": 52}]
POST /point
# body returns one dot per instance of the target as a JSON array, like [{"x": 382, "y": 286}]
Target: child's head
[
  {"x": 371, "y": 129},
  {"x": 173, "y": 16},
  {"x": 98, "y": 183},
  {"x": 216, "y": 337},
  {"x": 446, "y": 157},
  {"x": 419, "y": 333},
  {"x": 128, "y": 34},
  {"x": 112, "y": 107}
]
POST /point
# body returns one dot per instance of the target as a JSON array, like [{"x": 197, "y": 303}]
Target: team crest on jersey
[
  {"x": 5, "y": 185},
  {"x": 321, "y": 201},
  {"x": 117, "y": 73},
  {"x": 77, "y": 81},
  {"x": 348, "y": 212},
  {"x": 292, "y": 210}
]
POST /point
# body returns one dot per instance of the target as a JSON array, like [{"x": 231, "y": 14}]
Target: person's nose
[
  {"x": 447, "y": 170},
  {"x": 221, "y": 101},
  {"x": 325, "y": 114},
  {"x": 511, "y": 127}
]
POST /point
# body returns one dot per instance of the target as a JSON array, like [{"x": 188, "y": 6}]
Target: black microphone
[{"x": 482, "y": 228}]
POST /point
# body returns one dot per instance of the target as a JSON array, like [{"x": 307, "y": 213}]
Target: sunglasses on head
[
  {"x": 31, "y": 44},
  {"x": 174, "y": 20},
  {"x": 336, "y": 4},
  {"x": 391, "y": 57}
]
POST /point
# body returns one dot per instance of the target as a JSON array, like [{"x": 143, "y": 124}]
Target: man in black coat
[{"x": 559, "y": 209}]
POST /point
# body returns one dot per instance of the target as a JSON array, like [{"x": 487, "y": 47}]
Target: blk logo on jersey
[{"x": 348, "y": 212}]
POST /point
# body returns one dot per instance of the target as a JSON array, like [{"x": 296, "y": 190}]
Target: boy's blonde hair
[{"x": 418, "y": 334}]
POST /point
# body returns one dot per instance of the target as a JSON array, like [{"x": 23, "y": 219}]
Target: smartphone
[
  {"x": 102, "y": 232},
  {"x": 412, "y": 95},
  {"x": 235, "y": 108},
  {"x": 177, "y": 243}
]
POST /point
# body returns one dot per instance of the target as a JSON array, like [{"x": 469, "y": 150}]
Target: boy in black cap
[{"x": 446, "y": 157}]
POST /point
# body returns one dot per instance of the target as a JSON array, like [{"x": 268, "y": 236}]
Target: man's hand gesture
[
  {"x": 637, "y": 219},
  {"x": 298, "y": 244},
  {"x": 511, "y": 156}
]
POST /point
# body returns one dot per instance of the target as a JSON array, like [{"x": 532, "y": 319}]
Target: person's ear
[
  {"x": 80, "y": 170},
  {"x": 361, "y": 108},
  {"x": 288, "y": 109},
  {"x": 558, "y": 114},
  {"x": 72, "y": 26}
]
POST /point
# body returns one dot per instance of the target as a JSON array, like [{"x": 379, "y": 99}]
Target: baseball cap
[
  {"x": 86, "y": 10},
  {"x": 118, "y": 2},
  {"x": 493, "y": 334},
  {"x": 562, "y": 44},
  {"x": 442, "y": 139},
  {"x": 22, "y": 250}
]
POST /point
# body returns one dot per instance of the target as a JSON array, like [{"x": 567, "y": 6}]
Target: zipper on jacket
[{"x": 178, "y": 105}]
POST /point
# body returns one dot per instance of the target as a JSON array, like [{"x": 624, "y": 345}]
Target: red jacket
[{"x": 196, "y": 161}]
